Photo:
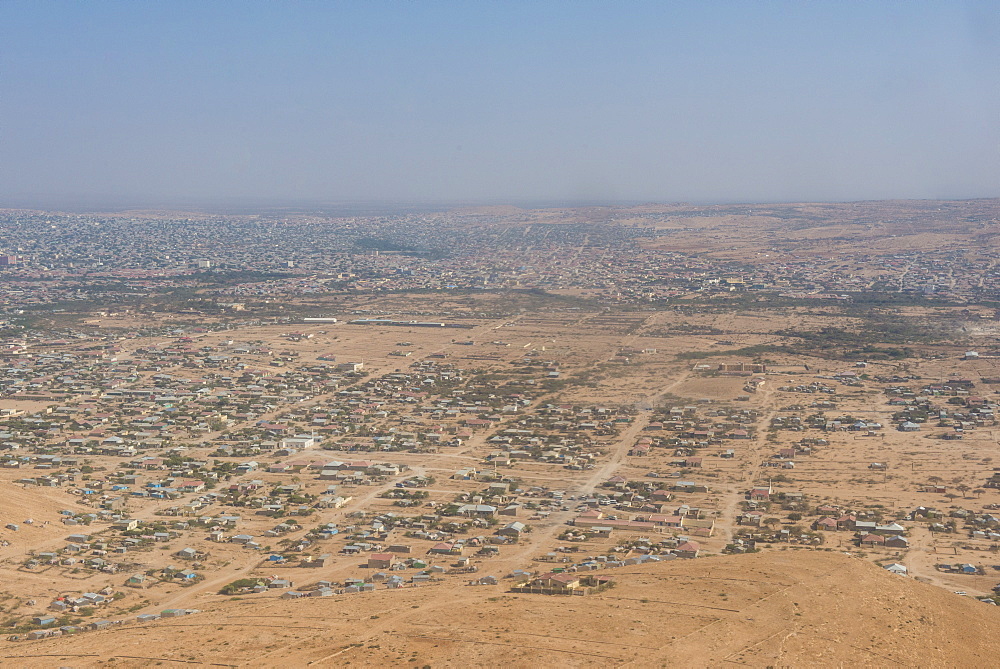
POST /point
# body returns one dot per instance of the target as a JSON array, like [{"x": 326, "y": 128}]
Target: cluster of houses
[
  {"x": 72, "y": 604},
  {"x": 151, "y": 418},
  {"x": 696, "y": 427},
  {"x": 684, "y": 518},
  {"x": 48, "y": 625},
  {"x": 563, "y": 583},
  {"x": 960, "y": 568},
  {"x": 960, "y": 411}
]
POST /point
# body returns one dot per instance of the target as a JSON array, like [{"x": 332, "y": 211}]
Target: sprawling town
[
  {"x": 626, "y": 256},
  {"x": 200, "y": 409}
]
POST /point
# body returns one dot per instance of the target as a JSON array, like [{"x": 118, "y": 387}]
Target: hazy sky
[{"x": 175, "y": 102}]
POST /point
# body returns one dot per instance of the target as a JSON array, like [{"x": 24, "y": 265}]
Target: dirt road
[{"x": 753, "y": 454}]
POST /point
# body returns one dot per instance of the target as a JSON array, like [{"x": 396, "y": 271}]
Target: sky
[{"x": 176, "y": 103}]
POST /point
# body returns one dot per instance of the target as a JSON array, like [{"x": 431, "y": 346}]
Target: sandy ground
[{"x": 782, "y": 608}]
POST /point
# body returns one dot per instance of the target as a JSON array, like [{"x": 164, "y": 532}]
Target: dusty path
[
  {"x": 753, "y": 453},
  {"x": 557, "y": 521}
]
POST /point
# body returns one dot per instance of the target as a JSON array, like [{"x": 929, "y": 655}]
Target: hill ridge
[{"x": 778, "y": 608}]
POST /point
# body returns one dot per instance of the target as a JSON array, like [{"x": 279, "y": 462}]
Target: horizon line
[{"x": 248, "y": 205}]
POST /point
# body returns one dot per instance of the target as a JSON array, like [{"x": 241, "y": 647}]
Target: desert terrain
[
  {"x": 609, "y": 447},
  {"x": 789, "y": 607}
]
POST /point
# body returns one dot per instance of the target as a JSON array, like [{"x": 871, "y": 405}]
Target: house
[
  {"x": 891, "y": 528},
  {"x": 381, "y": 560},
  {"x": 300, "y": 441},
  {"x": 192, "y": 485},
  {"x": 478, "y": 510},
  {"x": 40, "y": 634},
  {"x": 137, "y": 581},
  {"x": 666, "y": 521},
  {"x": 554, "y": 580},
  {"x": 497, "y": 489},
  {"x": 700, "y": 527},
  {"x": 689, "y": 486},
  {"x": 688, "y": 549},
  {"x": 446, "y": 548},
  {"x": 896, "y": 568},
  {"x": 279, "y": 583},
  {"x": 514, "y": 529},
  {"x": 114, "y": 504}
]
